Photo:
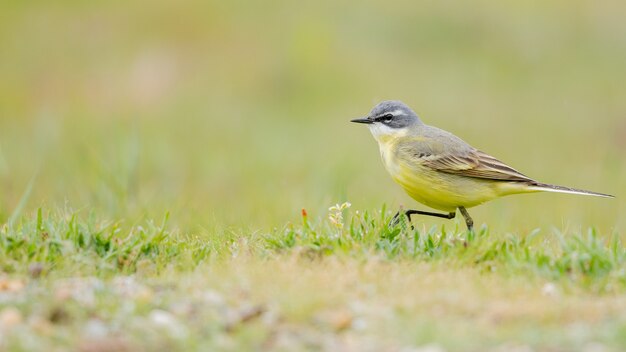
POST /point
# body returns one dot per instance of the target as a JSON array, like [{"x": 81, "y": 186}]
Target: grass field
[{"x": 184, "y": 177}]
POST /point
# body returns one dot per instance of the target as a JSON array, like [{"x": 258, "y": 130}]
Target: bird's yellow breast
[
  {"x": 433, "y": 188},
  {"x": 387, "y": 153}
]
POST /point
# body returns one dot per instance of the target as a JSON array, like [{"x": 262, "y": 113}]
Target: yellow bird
[{"x": 440, "y": 170}]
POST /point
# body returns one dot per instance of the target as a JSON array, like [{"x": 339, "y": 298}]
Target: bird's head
[{"x": 390, "y": 118}]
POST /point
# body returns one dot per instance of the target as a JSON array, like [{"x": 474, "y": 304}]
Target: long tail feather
[{"x": 560, "y": 189}]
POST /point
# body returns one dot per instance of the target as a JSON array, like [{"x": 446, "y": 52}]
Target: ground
[{"x": 326, "y": 285}]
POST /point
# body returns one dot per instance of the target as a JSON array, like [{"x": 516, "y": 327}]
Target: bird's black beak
[{"x": 365, "y": 120}]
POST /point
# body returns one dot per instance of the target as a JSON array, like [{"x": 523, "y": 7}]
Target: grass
[
  {"x": 63, "y": 240},
  {"x": 587, "y": 258},
  {"x": 59, "y": 241},
  {"x": 74, "y": 281}
]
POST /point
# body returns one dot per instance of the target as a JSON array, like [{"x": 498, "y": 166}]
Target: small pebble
[
  {"x": 10, "y": 317},
  {"x": 35, "y": 270}
]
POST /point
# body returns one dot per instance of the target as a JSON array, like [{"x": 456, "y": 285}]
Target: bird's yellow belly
[{"x": 436, "y": 189}]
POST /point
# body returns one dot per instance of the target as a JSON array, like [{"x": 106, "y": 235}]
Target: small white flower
[{"x": 335, "y": 215}]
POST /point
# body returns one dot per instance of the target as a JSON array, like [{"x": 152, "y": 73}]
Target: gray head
[{"x": 392, "y": 114}]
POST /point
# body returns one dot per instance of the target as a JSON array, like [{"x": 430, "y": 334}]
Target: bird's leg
[
  {"x": 396, "y": 218},
  {"x": 408, "y": 213},
  {"x": 427, "y": 213},
  {"x": 468, "y": 219}
]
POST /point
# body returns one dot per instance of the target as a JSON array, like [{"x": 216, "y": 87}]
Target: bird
[{"x": 440, "y": 170}]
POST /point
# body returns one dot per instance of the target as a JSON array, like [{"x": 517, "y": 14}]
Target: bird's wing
[
  {"x": 454, "y": 156},
  {"x": 475, "y": 164}
]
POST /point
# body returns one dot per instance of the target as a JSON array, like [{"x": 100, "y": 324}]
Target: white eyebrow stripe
[{"x": 397, "y": 112}]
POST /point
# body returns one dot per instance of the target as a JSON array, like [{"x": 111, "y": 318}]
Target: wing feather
[
  {"x": 475, "y": 164},
  {"x": 444, "y": 152}
]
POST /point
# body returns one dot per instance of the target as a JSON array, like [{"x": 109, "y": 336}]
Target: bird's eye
[{"x": 386, "y": 117}]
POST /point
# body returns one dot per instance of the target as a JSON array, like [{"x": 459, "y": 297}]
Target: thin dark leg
[
  {"x": 408, "y": 213},
  {"x": 468, "y": 219}
]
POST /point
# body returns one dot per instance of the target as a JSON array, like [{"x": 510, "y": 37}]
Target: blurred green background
[{"x": 235, "y": 113}]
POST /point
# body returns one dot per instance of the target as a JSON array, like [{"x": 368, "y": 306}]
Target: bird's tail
[{"x": 560, "y": 189}]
